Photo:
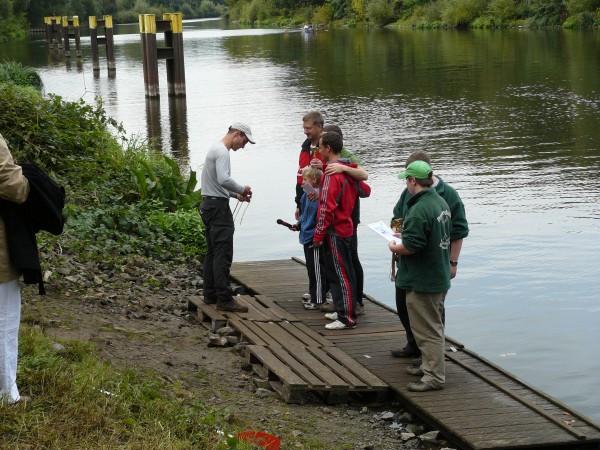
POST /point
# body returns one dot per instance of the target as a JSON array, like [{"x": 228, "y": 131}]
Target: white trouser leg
[{"x": 10, "y": 316}]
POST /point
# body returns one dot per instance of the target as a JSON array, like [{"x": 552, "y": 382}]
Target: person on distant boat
[
  {"x": 425, "y": 272},
  {"x": 460, "y": 230}
]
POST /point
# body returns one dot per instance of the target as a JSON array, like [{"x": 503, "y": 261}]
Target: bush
[
  {"x": 380, "y": 12},
  {"x": 14, "y": 73},
  {"x": 323, "y": 14},
  {"x": 581, "y": 6},
  {"x": 581, "y": 20},
  {"x": 502, "y": 9},
  {"x": 459, "y": 13}
]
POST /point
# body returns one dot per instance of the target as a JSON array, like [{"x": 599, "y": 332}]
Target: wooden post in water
[
  {"x": 172, "y": 26},
  {"x": 58, "y": 31},
  {"x": 70, "y": 28},
  {"x": 48, "y": 28},
  {"x": 149, "y": 56},
  {"x": 175, "y": 65},
  {"x": 55, "y": 23},
  {"x": 110, "y": 44},
  {"x": 107, "y": 39},
  {"x": 77, "y": 34}
]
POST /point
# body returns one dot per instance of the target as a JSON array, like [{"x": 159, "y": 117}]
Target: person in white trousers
[{"x": 15, "y": 188}]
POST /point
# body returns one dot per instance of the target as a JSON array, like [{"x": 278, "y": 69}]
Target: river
[{"x": 510, "y": 118}]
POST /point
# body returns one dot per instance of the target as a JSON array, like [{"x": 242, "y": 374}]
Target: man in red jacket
[{"x": 334, "y": 232}]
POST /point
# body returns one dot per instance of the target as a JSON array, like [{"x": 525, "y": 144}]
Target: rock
[
  {"x": 260, "y": 383},
  {"x": 387, "y": 416},
  {"x": 58, "y": 348},
  {"x": 416, "y": 429},
  {"x": 225, "y": 331},
  {"x": 364, "y": 410},
  {"x": 407, "y": 436},
  {"x": 262, "y": 393},
  {"x": 214, "y": 340},
  {"x": 406, "y": 417},
  {"x": 430, "y": 436},
  {"x": 64, "y": 271},
  {"x": 233, "y": 340}
]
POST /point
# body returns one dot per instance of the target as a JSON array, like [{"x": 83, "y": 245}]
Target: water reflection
[
  {"x": 178, "y": 122},
  {"x": 153, "y": 123}
]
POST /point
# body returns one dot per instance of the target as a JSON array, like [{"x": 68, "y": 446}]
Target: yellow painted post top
[
  {"x": 65, "y": 21},
  {"x": 48, "y": 20},
  {"x": 148, "y": 23},
  {"x": 176, "y": 21},
  {"x": 93, "y": 23},
  {"x": 108, "y": 22},
  {"x": 76, "y": 21},
  {"x": 57, "y": 20}
]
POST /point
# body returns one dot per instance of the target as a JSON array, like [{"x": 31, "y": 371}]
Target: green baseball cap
[{"x": 417, "y": 169}]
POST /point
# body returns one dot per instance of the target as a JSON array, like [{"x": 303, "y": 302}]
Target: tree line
[
  {"x": 421, "y": 13},
  {"x": 16, "y": 16}
]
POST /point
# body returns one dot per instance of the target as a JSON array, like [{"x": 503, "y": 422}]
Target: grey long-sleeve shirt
[{"x": 216, "y": 180}]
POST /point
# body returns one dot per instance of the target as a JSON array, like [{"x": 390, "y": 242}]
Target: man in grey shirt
[{"x": 217, "y": 188}]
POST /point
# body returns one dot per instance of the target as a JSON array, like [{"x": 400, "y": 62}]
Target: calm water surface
[{"x": 510, "y": 118}]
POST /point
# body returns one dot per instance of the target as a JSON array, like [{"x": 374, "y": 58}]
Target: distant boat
[{"x": 308, "y": 28}]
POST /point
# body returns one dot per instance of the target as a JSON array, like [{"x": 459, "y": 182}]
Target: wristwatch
[{"x": 453, "y": 263}]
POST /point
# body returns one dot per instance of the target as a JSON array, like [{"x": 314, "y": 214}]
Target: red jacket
[
  {"x": 306, "y": 154},
  {"x": 336, "y": 203}
]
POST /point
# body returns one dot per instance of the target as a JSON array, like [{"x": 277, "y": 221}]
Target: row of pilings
[{"x": 60, "y": 30}]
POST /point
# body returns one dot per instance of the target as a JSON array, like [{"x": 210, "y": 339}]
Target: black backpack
[{"x": 43, "y": 210}]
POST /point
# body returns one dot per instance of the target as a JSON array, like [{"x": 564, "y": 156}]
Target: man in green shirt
[
  {"x": 460, "y": 230},
  {"x": 424, "y": 271}
]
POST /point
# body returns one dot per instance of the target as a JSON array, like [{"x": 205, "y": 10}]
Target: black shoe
[
  {"x": 420, "y": 386},
  {"x": 406, "y": 352},
  {"x": 209, "y": 300},
  {"x": 415, "y": 370},
  {"x": 231, "y": 306}
]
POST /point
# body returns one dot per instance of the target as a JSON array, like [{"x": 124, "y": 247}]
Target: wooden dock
[{"x": 482, "y": 406}]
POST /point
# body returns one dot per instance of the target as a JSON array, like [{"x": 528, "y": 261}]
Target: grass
[{"x": 81, "y": 401}]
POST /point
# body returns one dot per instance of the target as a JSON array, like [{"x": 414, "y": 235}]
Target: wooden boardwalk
[{"x": 481, "y": 407}]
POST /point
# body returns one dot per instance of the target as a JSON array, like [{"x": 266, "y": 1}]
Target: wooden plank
[
  {"x": 305, "y": 334},
  {"x": 247, "y": 329},
  {"x": 313, "y": 381},
  {"x": 356, "y": 368},
  {"x": 276, "y": 309},
  {"x": 256, "y": 311},
  {"x": 338, "y": 369},
  {"x": 286, "y": 383},
  {"x": 282, "y": 336}
]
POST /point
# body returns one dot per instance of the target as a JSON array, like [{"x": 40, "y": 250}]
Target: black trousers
[
  {"x": 317, "y": 280},
  {"x": 218, "y": 222},
  {"x": 403, "y": 314},
  {"x": 340, "y": 276},
  {"x": 358, "y": 270}
]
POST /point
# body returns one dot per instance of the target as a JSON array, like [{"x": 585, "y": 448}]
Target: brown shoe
[
  {"x": 231, "y": 306},
  {"x": 421, "y": 386}
]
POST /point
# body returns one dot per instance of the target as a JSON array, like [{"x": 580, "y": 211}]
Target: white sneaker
[
  {"x": 328, "y": 297},
  {"x": 337, "y": 325},
  {"x": 306, "y": 298},
  {"x": 311, "y": 305},
  {"x": 331, "y": 316}
]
